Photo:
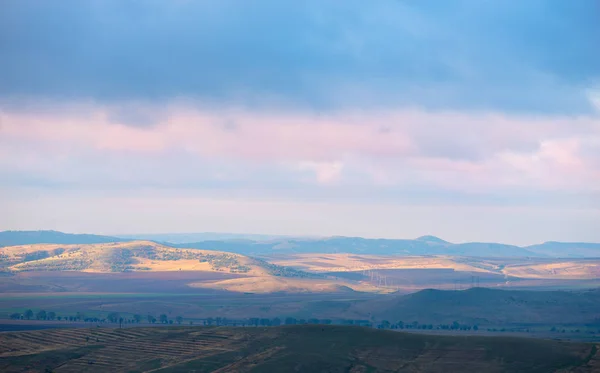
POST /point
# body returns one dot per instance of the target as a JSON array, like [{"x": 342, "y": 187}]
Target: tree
[
  {"x": 290, "y": 321},
  {"x": 137, "y": 318},
  {"x": 79, "y": 316},
  {"x": 254, "y": 321},
  {"x": 41, "y": 315},
  {"x": 163, "y": 318},
  {"x": 210, "y": 321},
  {"x": 400, "y": 324},
  {"x": 15, "y": 316},
  {"x": 151, "y": 319},
  {"x": 276, "y": 321},
  {"x": 475, "y": 327},
  {"x": 28, "y": 314},
  {"x": 385, "y": 324},
  {"x": 326, "y": 321},
  {"x": 113, "y": 317},
  {"x": 51, "y": 315},
  {"x": 265, "y": 322},
  {"x": 179, "y": 319}
]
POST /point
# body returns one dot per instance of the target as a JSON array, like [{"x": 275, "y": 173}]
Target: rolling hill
[
  {"x": 122, "y": 257},
  {"x": 304, "y": 348},
  {"x": 247, "y": 274}
]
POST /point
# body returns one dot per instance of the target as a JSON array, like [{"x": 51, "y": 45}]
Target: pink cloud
[{"x": 479, "y": 151}]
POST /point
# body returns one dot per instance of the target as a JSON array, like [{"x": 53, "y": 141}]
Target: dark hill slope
[
  {"x": 303, "y": 348},
  {"x": 486, "y": 306}
]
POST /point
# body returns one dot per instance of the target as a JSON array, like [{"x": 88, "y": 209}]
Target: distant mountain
[
  {"x": 249, "y": 244},
  {"x": 13, "y": 238},
  {"x": 433, "y": 239},
  {"x": 427, "y": 245},
  {"x": 567, "y": 249},
  {"x": 178, "y": 238},
  {"x": 486, "y": 307}
]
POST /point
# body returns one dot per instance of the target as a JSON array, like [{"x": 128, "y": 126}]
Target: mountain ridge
[
  {"x": 15, "y": 238},
  {"x": 266, "y": 245}
]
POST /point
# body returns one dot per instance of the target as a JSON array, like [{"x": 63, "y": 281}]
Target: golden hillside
[
  {"x": 122, "y": 257},
  {"x": 251, "y": 274}
]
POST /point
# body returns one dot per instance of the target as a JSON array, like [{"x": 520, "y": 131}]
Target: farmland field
[{"x": 281, "y": 349}]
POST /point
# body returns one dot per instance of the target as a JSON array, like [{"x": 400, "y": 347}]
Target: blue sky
[{"x": 472, "y": 120}]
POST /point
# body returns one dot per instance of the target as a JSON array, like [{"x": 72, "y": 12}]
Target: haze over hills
[
  {"x": 567, "y": 249},
  {"x": 428, "y": 245},
  {"x": 249, "y": 244},
  {"x": 14, "y": 238},
  {"x": 180, "y": 238}
]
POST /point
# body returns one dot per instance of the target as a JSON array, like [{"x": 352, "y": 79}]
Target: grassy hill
[
  {"x": 303, "y": 348},
  {"x": 495, "y": 271},
  {"x": 486, "y": 306},
  {"x": 252, "y": 274},
  {"x": 121, "y": 257}
]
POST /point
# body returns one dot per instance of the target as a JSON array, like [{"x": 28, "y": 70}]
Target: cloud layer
[
  {"x": 538, "y": 56},
  {"x": 404, "y": 148},
  {"x": 468, "y": 105}
]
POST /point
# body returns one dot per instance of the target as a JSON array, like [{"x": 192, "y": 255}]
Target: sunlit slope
[
  {"x": 124, "y": 256},
  {"x": 248, "y": 274},
  {"x": 527, "y": 268}
]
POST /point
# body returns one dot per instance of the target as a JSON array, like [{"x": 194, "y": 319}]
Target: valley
[{"x": 138, "y": 278}]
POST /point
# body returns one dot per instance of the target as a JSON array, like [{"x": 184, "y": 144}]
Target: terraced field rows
[
  {"x": 301, "y": 348},
  {"x": 118, "y": 349}
]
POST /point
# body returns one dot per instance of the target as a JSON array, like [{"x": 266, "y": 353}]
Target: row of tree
[
  {"x": 415, "y": 325},
  {"x": 115, "y": 317}
]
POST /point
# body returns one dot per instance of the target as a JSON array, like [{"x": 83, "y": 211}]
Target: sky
[{"x": 471, "y": 120}]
